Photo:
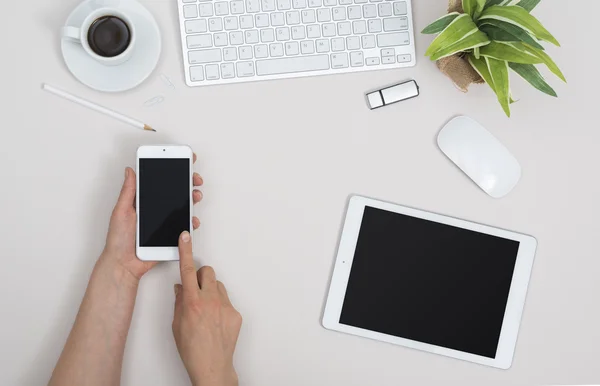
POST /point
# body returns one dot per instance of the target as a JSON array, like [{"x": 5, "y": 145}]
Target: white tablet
[{"x": 430, "y": 282}]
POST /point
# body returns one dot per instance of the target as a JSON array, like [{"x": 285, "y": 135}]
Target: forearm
[{"x": 93, "y": 354}]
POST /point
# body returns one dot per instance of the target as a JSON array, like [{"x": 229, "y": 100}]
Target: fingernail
[
  {"x": 176, "y": 289},
  {"x": 185, "y": 237}
]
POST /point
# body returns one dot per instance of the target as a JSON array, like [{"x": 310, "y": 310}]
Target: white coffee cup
[{"x": 80, "y": 35}]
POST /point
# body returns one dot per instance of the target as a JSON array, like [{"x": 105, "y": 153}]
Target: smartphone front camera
[{"x": 164, "y": 149}]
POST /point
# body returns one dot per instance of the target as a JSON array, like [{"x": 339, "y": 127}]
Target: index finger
[{"x": 186, "y": 265}]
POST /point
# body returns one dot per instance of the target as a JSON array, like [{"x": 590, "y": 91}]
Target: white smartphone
[{"x": 164, "y": 200}]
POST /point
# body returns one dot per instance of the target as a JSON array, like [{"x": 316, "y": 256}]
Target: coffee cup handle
[{"x": 72, "y": 33}]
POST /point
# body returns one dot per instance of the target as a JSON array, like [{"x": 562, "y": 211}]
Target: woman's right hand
[{"x": 206, "y": 326}]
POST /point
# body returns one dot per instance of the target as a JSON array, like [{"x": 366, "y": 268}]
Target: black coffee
[{"x": 109, "y": 36}]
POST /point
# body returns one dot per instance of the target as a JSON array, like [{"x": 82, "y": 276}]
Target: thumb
[
  {"x": 127, "y": 196},
  {"x": 177, "y": 289}
]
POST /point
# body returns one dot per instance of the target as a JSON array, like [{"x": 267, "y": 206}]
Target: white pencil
[{"x": 98, "y": 108}]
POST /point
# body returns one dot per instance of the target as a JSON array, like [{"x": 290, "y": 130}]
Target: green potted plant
[{"x": 481, "y": 40}]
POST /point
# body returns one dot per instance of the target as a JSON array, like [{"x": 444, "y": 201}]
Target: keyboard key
[
  {"x": 308, "y": 16},
  {"x": 339, "y": 60},
  {"x": 330, "y": 3},
  {"x": 252, "y": 6},
  {"x": 236, "y": 38},
  {"x": 388, "y": 60},
  {"x": 344, "y": 28},
  {"x": 197, "y": 73},
  {"x": 189, "y": 1},
  {"x": 372, "y": 61},
  {"x": 276, "y": 49},
  {"x": 282, "y": 34},
  {"x": 307, "y": 47},
  {"x": 237, "y": 7},
  {"x": 353, "y": 43},
  {"x": 205, "y": 56},
  {"x": 395, "y": 24},
  {"x": 400, "y": 8},
  {"x": 298, "y": 32},
  {"x": 328, "y": 30},
  {"x": 354, "y": 12},
  {"x": 206, "y": 9},
  {"x": 324, "y": 15},
  {"x": 252, "y": 37},
  {"x": 375, "y": 1},
  {"x": 230, "y": 54},
  {"x": 199, "y": 41},
  {"x": 222, "y": 8},
  {"x": 374, "y": 26},
  {"x": 261, "y": 51},
  {"x": 268, "y": 5},
  {"x": 393, "y": 39},
  {"x": 339, "y": 13},
  {"x": 404, "y": 58},
  {"x": 245, "y": 69},
  {"x": 227, "y": 70},
  {"x": 284, "y": 5},
  {"x": 212, "y": 72},
  {"x": 267, "y": 35},
  {"x": 384, "y": 9},
  {"x": 231, "y": 23},
  {"x": 220, "y": 39},
  {"x": 292, "y": 17},
  {"x": 359, "y": 27},
  {"x": 291, "y": 65},
  {"x": 315, "y": 3},
  {"x": 337, "y": 44},
  {"x": 345, "y": 2},
  {"x": 360, "y": 1},
  {"x": 262, "y": 20},
  {"x": 357, "y": 59},
  {"x": 246, "y": 21},
  {"x": 245, "y": 52},
  {"x": 299, "y": 4},
  {"x": 292, "y": 48},
  {"x": 195, "y": 26},
  {"x": 322, "y": 45},
  {"x": 277, "y": 19},
  {"x": 368, "y": 41},
  {"x": 215, "y": 24},
  {"x": 190, "y": 11},
  {"x": 388, "y": 52},
  {"x": 313, "y": 31},
  {"x": 369, "y": 11}
]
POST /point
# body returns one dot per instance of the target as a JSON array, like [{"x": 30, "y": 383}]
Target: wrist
[
  {"x": 229, "y": 378},
  {"x": 112, "y": 268}
]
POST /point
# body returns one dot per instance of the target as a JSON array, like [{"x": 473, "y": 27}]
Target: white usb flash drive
[{"x": 392, "y": 94}]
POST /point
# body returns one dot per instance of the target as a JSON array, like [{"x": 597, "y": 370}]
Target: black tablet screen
[{"x": 429, "y": 282}]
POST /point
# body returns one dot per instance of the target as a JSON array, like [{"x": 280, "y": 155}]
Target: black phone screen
[{"x": 164, "y": 200}]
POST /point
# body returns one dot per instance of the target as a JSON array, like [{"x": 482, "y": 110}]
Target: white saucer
[{"x": 127, "y": 75}]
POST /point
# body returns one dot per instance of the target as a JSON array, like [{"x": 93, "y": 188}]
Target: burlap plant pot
[{"x": 456, "y": 67}]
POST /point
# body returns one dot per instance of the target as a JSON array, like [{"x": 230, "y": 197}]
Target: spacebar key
[{"x": 291, "y": 65}]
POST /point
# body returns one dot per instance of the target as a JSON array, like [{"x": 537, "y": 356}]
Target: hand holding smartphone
[{"x": 164, "y": 200}]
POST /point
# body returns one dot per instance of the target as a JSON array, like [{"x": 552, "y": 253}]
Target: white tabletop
[{"x": 280, "y": 159}]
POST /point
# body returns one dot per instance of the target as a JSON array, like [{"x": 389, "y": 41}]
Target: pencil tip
[{"x": 148, "y": 128}]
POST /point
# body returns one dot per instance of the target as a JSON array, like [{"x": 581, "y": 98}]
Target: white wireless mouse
[{"x": 480, "y": 155}]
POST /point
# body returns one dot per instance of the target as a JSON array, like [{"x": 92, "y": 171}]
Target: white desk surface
[{"x": 280, "y": 159}]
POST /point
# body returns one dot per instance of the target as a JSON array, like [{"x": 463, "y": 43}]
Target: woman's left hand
[{"x": 120, "y": 242}]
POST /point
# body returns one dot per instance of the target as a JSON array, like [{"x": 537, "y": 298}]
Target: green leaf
[
  {"x": 440, "y": 24},
  {"x": 510, "y": 53},
  {"x": 490, "y": 3},
  {"x": 521, "y": 18},
  {"x": 481, "y": 66},
  {"x": 473, "y": 7},
  {"x": 533, "y": 76},
  {"x": 528, "y": 5},
  {"x": 476, "y": 52},
  {"x": 459, "y": 28},
  {"x": 477, "y": 39},
  {"x": 545, "y": 58},
  {"x": 499, "y": 72},
  {"x": 505, "y": 32}
]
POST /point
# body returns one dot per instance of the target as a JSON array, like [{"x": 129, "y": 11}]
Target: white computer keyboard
[{"x": 247, "y": 40}]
